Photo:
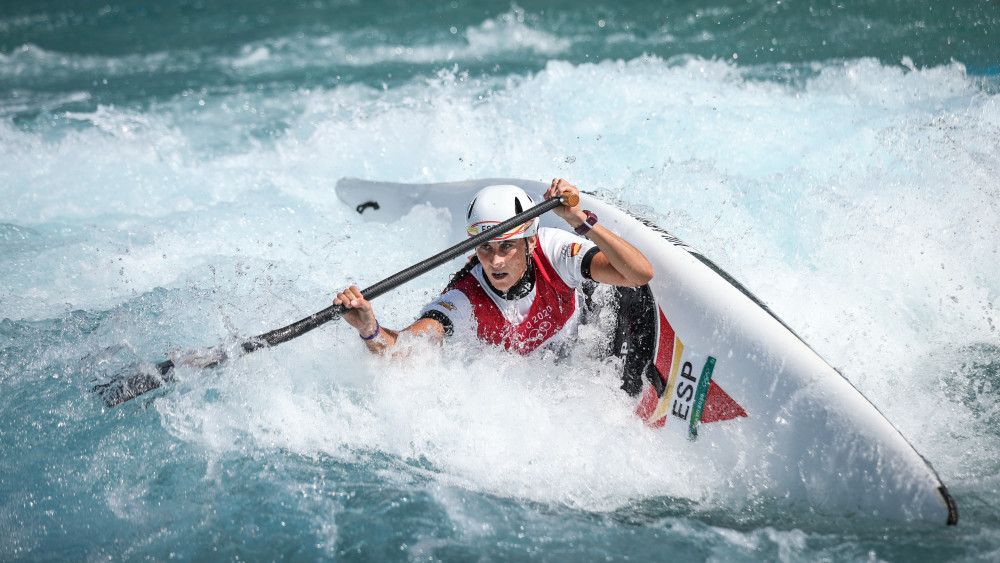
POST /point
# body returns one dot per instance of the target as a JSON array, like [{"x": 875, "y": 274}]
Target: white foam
[{"x": 861, "y": 207}]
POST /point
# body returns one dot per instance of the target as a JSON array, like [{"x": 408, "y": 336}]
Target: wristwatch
[{"x": 583, "y": 229}]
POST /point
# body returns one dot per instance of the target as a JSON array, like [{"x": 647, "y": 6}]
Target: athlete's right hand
[{"x": 359, "y": 313}]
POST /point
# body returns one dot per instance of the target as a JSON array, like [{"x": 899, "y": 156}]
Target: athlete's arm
[
  {"x": 377, "y": 338},
  {"x": 618, "y": 263}
]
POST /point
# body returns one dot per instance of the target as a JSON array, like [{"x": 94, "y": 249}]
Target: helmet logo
[{"x": 484, "y": 226}]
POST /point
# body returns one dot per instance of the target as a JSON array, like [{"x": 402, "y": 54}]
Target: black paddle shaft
[
  {"x": 124, "y": 388},
  {"x": 332, "y": 312}
]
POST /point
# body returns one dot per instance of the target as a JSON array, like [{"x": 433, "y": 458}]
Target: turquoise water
[{"x": 167, "y": 174}]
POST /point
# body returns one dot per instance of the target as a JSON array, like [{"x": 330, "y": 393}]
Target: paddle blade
[{"x": 127, "y": 385}]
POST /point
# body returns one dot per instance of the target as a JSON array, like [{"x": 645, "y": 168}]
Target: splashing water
[{"x": 169, "y": 197}]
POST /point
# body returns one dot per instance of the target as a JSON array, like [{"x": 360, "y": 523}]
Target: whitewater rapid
[{"x": 857, "y": 199}]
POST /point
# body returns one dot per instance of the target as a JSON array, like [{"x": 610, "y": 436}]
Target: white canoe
[{"x": 718, "y": 361}]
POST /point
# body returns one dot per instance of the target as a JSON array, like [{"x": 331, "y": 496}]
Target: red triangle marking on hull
[{"x": 720, "y": 406}]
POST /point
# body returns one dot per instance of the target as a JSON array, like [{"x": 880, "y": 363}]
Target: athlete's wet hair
[{"x": 472, "y": 263}]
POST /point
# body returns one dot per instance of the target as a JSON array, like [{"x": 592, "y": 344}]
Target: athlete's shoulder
[
  {"x": 558, "y": 244},
  {"x": 553, "y": 233},
  {"x": 452, "y": 309},
  {"x": 448, "y": 302},
  {"x": 565, "y": 251}
]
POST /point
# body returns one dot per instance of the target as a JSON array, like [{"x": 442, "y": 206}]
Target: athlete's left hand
[{"x": 572, "y": 215}]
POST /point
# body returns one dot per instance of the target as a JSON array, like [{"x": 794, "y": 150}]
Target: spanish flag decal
[{"x": 689, "y": 397}]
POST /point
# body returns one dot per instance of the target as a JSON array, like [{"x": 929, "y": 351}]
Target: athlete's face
[{"x": 505, "y": 261}]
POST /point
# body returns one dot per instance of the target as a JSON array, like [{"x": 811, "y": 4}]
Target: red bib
[{"x": 552, "y": 307}]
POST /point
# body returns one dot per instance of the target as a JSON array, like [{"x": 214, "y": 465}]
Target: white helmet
[{"x": 493, "y": 205}]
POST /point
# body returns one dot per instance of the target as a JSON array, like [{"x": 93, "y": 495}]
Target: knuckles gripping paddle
[{"x": 129, "y": 386}]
